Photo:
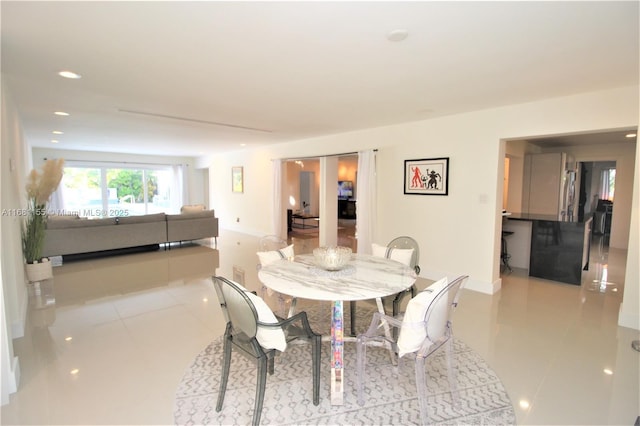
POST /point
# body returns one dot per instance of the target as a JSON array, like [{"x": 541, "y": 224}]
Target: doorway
[
  {"x": 604, "y": 164},
  {"x": 597, "y": 192},
  {"x": 307, "y": 182}
]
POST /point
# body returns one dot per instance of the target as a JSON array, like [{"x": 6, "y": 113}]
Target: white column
[{"x": 328, "y": 201}]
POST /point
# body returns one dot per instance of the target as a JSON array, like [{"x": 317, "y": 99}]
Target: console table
[{"x": 303, "y": 218}]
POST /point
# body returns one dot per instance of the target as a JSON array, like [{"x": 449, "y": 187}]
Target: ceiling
[{"x": 198, "y": 78}]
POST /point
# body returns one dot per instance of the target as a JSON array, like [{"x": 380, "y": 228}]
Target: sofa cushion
[
  {"x": 156, "y": 217},
  {"x": 191, "y": 215},
  {"x": 69, "y": 222}
]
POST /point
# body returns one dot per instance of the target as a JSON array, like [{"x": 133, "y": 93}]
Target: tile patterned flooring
[{"x": 124, "y": 330}]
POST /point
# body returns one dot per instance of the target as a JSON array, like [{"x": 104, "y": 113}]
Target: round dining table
[{"x": 364, "y": 277}]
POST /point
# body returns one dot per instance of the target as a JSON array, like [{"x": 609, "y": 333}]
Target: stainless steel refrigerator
[{"x": 550, "y": 186}]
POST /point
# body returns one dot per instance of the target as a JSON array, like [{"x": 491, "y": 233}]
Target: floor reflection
[{"x": 81, "y": 281}]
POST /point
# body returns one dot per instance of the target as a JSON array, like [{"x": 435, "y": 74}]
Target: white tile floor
[{"x": 111, "y": 357}]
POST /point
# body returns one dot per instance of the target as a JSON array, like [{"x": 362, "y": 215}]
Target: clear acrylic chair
[
  {"x": 425, "y": 327},
  {"x": 271, "y": 242},
  {"x": 244, "y": 324},
  {"x": 403, "y": 243}
]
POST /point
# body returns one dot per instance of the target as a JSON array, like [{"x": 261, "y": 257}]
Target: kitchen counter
[{"x": 558, "y": 250}]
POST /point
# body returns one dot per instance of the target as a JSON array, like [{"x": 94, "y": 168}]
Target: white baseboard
[
  {"x": 18, "y": 326},
  {"x": 472, "y": 284}
]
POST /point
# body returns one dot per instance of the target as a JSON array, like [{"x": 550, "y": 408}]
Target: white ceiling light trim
[{"x": 193, "y": 120}]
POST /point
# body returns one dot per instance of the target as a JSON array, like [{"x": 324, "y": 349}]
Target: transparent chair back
[{"x": 437, "y": 325}]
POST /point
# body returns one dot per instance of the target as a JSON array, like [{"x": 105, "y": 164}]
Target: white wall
[
  {"x": 12, "y": 280},
  {"x": 630, "y": 308},
  {"x": 459, "y": 232}
]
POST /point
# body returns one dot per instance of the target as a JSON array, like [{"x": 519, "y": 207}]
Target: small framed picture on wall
[
  {"x": 237, "y": 180},
  {"x": 427, "y": 176}
]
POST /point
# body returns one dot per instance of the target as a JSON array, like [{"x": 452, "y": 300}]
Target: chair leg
[
  {"x": 260, "y": 387},
  {"x": 225, "y": 370},
  {"x": 316, "y": 343},
  {"x": 352, "y": 315},
  {"x": 396, "y": 309},
  {"x": 271, "y": 366},
  {"x": 422, "y": 390}
]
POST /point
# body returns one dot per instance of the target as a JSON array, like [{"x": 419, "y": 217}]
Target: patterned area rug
[{"x": 390, "y": 392}]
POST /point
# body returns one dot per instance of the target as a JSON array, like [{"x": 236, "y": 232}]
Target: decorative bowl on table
[{"x": 332, "y": 258}]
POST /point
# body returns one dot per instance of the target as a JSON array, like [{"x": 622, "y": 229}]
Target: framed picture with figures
[{"x": 427, "y": 176}]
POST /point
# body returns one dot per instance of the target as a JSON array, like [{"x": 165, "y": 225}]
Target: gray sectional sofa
[{"x": 71, "y": 235}]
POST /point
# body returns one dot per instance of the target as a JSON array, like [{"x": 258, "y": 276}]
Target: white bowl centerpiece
[{"x": 332, "y": 258}]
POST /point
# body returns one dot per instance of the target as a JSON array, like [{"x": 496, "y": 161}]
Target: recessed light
[
  {"x": 69, "y": 74},
  {"x": 68, "y": 339},
  {"x": 397, "y": 35},
  {"x": 524, "y": 404},
  {"x": 608, "y": 371},
  {"x": 74, "y": 371},
  {"x": 54, "y": 141},
  {"x": 61, "y": 113},
  {"x": 57, "y": 132},
  {"x": 630, "y": 135}
]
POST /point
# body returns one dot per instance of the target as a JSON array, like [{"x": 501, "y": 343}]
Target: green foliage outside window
[{"x": 128, "y": 183}]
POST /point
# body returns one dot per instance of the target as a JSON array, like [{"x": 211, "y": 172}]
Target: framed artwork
[
  {"x": 428, "y": 176},
  {"x": 237, "y": 180}
]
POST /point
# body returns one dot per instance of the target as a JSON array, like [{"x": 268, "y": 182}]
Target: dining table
[{"x": 364, "y": 277}]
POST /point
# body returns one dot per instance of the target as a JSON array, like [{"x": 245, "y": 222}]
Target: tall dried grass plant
[{"x": 40, "y": 186}]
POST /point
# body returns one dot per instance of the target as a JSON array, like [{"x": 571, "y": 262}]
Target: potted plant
[{"x": 39, "y": 188}]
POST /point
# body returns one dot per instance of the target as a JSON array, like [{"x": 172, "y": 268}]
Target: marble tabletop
[{"x": 364, "y": 277}]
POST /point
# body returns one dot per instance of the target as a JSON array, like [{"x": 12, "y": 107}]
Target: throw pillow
[
  {"x": 268, "y": 337},
  {"x": 267, "y": 257},
  {"x": 399, "y": 255},
  {"x": 193, "y": 208},
  {"x": 413, "y": 331}
]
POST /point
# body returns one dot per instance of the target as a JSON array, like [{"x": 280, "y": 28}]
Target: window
[
  {"x": 103, "y": 191},
  {"x": 607, "y": 184}
]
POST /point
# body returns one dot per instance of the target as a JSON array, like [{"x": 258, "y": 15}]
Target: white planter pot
[{"x": 39, "y": 271}]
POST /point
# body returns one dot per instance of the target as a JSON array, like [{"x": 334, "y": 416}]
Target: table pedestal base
[{"x": 337, "y": 350}]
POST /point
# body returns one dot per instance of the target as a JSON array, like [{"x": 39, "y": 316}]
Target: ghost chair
[
  {"x": 405, "y": 250},
  {"x": 270, "y": 249},
  {"x": 425, "y": 327},
  {"x": 255, "y": 332}
]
